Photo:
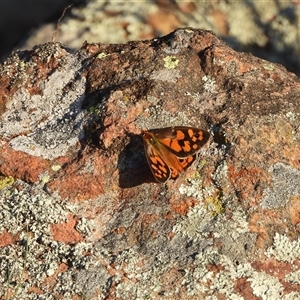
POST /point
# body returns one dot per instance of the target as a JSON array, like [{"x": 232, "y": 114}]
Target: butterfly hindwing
[
  {"x": 185, "y": 162},
  {"x": 158, "y": 166}
]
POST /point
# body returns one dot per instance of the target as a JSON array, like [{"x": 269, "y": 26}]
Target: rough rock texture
[
  {"x": 82, "y": 216},
  {"x": 268, "y": 29}
]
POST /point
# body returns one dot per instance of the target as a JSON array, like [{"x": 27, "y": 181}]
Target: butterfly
[{"x": 171, "y": 150}]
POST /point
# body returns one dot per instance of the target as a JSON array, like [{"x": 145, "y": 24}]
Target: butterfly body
[{"x": 171, "y": 150}]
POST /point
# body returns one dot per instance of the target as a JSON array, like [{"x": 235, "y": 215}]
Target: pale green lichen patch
[
  {"x": 293, "y": 277},
  {"x": 86, "y": 226},
  {"x": 102, "y": 55},
  {"x": 22, "y": 64},
  {"x": 214, "y": 204},
  {"x": 200, "y": 279},
  {"x": 20, "y": 209},
  {"x": 238, "y": 225},
  {"x": 56, "y": 168},
  {"x": 171, "y": 62},
  {"x": 195, "y": 224},
  {"x": 138, "y": 270},
  {"x": 220, "y": 176},
  {"x": 6, "y": 181},
  {"x": 45, "y": 178},
  {"x": 266, "y": 286},
  {"x": 194, "y": 187},
  {"x": 283, "y": 249},
  {"x": 269, "y": 67},
  {"x": 188, "y": 30},
  {"x": 196, "y": 279},
  {"x": 209, "y": 84},
  {"x": 291, "y": 296}
]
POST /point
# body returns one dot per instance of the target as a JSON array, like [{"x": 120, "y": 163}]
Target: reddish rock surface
[{"x": 228, "y": 227}]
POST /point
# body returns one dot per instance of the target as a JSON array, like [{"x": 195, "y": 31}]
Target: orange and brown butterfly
[{"x": 171, "y": 150}]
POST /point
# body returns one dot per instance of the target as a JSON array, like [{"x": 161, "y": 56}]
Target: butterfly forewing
[{"x": 182, "y": 141}]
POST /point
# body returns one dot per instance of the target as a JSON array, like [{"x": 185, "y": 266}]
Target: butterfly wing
[
  {"x": 184, "y": 163},
  {"x": 182, "y": 141},
  {"x": 171, "y": 150},
  {"x": 158, "y": 166}
]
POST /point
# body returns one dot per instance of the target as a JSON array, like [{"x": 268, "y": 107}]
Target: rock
[{"x": 71, "y": 129}]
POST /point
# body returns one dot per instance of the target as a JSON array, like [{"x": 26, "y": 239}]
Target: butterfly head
[{"x": 149, "y": 137}]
